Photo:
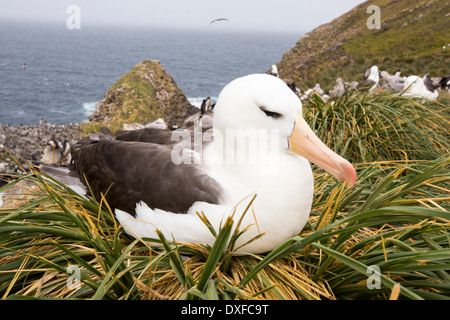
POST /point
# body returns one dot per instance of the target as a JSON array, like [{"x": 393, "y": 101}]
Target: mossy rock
[{"x": 144, "y": 94}]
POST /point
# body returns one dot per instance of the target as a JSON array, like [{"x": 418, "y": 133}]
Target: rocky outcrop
[{"x": 144, "y": 94}]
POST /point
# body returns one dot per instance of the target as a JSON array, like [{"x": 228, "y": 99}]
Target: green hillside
[{"x": 412, "y": 36}]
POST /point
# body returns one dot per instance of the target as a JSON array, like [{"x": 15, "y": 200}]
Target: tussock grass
[
  {"x": 375, "y": 127},
  {"x": 395, "y": 218}
]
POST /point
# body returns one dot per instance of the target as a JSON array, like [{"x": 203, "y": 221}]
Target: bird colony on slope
[{"x": 413, "y": 86}]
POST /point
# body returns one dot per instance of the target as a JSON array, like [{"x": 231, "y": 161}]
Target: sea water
[{"x": 53, "y": 73}]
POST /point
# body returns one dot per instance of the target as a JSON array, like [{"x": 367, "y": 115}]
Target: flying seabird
[
  {"x": 152, "y": 186},
  {"x": 218, "y": 20}
]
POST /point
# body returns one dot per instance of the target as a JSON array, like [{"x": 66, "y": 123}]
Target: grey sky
[{"x": 263, "y": 15}]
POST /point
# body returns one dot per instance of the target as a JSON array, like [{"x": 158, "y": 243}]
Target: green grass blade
[
  {"x": 176, "y": 263},
  {"x": 216, "y": 253},
  {"x": 112, "y": 276},
  {"x": 361, "y": 268}
]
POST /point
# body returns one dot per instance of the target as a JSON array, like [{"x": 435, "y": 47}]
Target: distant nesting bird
[
  {"x": 393, "y": 82},
  {"x": 306, "y": 94},
  {"x": 204, "y": 118},
  {"x": 415, "y": 87},
  {"x": 317, "y": 89},
  {"x": 291, "y": 84},
  {"x": 206, "y": 104},
  {"x": 445, "y": 83},
  {"x": 371, "y": 79},
  {"x": 274, "y": 71},
  {"x": 338, "y": 90},
  {"x": 398, "y": 73},
  {"x": 429, "y": 83},
  {"x": 56, "y": 152},
  {"x": 352, "y": 85}
]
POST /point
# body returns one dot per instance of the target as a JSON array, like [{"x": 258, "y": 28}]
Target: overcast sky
[{"x": 263, "y": 15}]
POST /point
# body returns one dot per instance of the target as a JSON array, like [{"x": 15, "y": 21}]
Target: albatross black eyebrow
[{"x": 272, "y": 114}]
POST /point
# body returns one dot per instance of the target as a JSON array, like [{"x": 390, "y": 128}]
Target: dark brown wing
[
  {"x": 129, "y": 172},
  {"x": 150, "y": 135},
  {"x": 429, "y": 83},
  {"x": 167, "y": 137}
]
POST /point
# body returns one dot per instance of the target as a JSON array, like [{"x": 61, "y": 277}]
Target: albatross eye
[{"x": 272, "y": 114}]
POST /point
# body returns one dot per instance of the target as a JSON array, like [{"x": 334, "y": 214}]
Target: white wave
[
  {"x": 89, "y": 107},
  {"x": 196, "y": 102}
]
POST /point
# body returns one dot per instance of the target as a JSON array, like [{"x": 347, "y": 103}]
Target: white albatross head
[
  {"x": 264, "y": 102},
  {"x": 372, "y": 73}
]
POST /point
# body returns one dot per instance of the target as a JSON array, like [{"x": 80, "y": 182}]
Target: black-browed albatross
[
  {"x": 371, "y": 79},
  {"x": 149, "y": 191},
  {"x": 416, "y": 87}
]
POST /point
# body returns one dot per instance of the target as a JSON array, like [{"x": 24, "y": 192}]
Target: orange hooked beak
[{"x": 304, "y": 142}]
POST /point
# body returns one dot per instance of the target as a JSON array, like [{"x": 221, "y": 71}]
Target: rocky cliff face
[
  {"x": 144, "y": 94},
  {"x": 413, "y": 38}
]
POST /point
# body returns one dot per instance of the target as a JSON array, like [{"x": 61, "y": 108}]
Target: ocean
[{"x": 53, "y": 73}]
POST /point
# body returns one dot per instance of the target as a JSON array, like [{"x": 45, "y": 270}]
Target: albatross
[
  {"x": 393, "y": 82},
  {"x": 371, "y": 79},
  {"x": 416, "y": 87},
  {"x": 339, "y": 89},
  {"x": 162, "y": 186}
]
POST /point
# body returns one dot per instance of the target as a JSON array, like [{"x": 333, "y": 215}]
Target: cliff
[{"x": 413, "y": 38}]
